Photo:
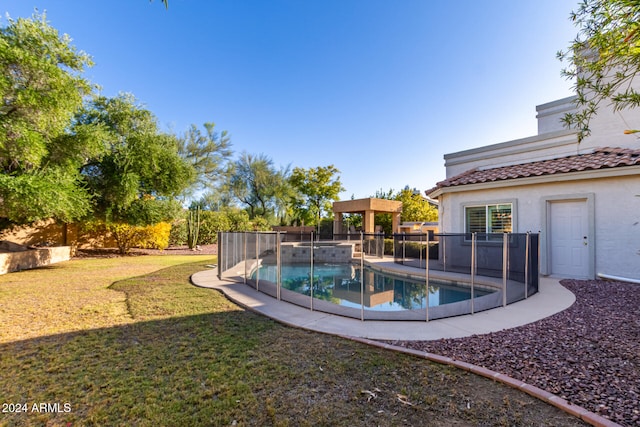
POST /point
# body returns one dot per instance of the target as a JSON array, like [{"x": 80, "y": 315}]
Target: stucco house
[{"x": 583, "y": 198}]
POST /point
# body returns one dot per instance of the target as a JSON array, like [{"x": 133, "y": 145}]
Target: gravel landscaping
[{"x": 588, "y": 354}]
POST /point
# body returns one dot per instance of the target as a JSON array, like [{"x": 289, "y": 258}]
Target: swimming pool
[{"x": 341, "y": 284}]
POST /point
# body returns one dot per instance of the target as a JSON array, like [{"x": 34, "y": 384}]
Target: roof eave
[{"x": 542, "y": 179}]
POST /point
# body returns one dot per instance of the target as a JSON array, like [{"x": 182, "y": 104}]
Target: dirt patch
[{"x": 172, "y": 250}]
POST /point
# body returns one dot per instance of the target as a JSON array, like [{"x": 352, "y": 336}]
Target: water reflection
[{"x": 341, "y": 284}]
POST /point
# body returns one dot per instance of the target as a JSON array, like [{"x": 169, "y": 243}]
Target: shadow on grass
[
  {"x": 215, "y": 369},
  {"x": 178, "y": 371},
  {"x": 192, "y": 358}
]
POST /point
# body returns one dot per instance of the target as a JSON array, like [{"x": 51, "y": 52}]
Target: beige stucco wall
[
  {"x": 24, "y": 260},
  {"x": 49, "y": 232},
  {"x": 616, "y": 201}
]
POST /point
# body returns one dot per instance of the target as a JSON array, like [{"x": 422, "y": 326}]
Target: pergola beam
[{"x": 367, "y": 208}]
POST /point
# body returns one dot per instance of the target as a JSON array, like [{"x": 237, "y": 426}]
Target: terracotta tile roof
[{"x": 601, "y": 158}]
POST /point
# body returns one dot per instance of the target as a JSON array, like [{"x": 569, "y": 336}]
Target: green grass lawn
[{"x": 128, "y": 341}]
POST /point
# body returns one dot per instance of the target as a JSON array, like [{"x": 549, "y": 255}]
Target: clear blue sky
[{"x": 380, "y": 89}]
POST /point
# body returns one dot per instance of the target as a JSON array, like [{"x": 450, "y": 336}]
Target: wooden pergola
[{"x": 367, "y": 208}]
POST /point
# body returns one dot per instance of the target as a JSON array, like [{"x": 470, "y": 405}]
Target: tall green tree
[
  {"x": 316, "y": 189},
  {"x": 41, "y": 87},
  {"x": 603, "y": 59},
  {"x": 216, "y": 199},
  {"x": 208, "y": 153},
  {"x": 388, "y": 195},
  {"x": 415, "y": 208},
  {"x": 256, "y": 183},
  {"x": 138, "y": 177}
]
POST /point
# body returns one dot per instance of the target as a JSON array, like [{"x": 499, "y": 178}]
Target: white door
[{"x": 569, "y": 239}]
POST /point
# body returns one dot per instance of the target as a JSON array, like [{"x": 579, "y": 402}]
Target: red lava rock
[{"x": 588, "y": 354}]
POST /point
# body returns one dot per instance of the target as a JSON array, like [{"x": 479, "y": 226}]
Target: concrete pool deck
[{"x": 550, "y": 299}]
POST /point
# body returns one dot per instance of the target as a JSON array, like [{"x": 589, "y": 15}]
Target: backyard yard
[{"x": 128, "y": 341}]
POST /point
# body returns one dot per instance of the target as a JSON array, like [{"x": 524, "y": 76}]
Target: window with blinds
[
  {"x": 489, "y": 219},
  {"x": 476, "y": 219},
  {"x": 499, "y": 219}
]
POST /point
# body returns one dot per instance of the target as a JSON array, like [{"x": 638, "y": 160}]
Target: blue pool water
[{"x": 340, "y": 284}]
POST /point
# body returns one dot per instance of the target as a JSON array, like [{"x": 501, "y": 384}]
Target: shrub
[
  {"x": 388, "y": 246},
  {"x": 260, "y": 224},
  {"x": 154, "y": 236},
  {"x": 178, "y": 233},
  {"x": 212, "y": 223},
  {"x": 326, "y": 227},
  {"x": 125, "y": 235},
  {"x": 413, "y": 249},
  {"x": 128, "y": 236},
  {"x": 239, "y": 220}
]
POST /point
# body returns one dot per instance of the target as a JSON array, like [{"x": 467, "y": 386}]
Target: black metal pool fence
[{"x": 505, "y": 264}]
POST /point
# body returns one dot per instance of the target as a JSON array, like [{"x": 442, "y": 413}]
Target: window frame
[{"x": 487, "y": 205}]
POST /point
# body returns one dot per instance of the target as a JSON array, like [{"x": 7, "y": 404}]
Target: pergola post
[
  {"x": 395, "y": 221},
  {"x": 369, "y": 221},
  {"x": 337, "y": 223}
]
